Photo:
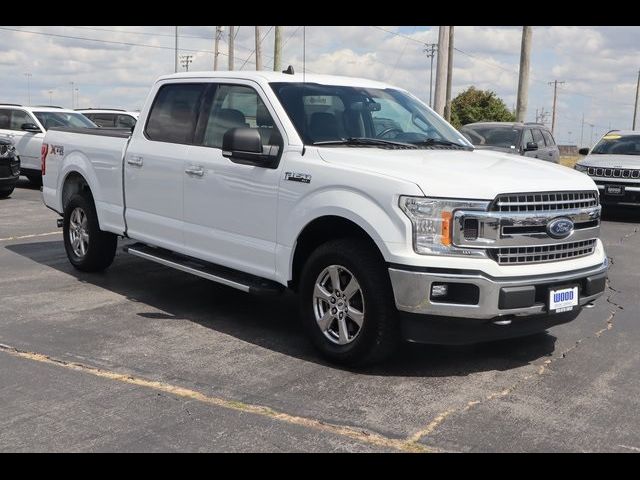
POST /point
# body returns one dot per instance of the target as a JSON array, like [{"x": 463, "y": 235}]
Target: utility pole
[
  {"x": 231, "y": 39},
  {"x": 175, "y": 53},
  {"x": 277, "y": 49},
  {"x": 72, "y": 94},
  {"x": 185, "y": 60},
  {"x": 555, "y": 98},
  {"x": 447, "y": 105},
  {"x": 77, "y": 97},
  {"x": 258, "y": 49},
  {"x": 439, "y": 99},
  {"x": 216, "y": 47},
  {"x": 582, "y": 132},
  {"x": 430, "y": 50},
  {"x": 635, "y": 108},
  {"x": 523, "y": 77},
  {"x": 28, "y": 75},
  {"x": 50, "y": 97}
]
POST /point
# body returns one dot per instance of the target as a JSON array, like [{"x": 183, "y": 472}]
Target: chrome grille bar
[
  {"x": 543, "y": 253},
  {"x": 544, "y": 202}
]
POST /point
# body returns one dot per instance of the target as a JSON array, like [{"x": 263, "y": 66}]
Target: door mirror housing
[
  {"x": 244, "y": 146},
  {"x": 530, "y": 146},
  {"x": 30, "y": 127},
  {"x": 583, "y": 151}
]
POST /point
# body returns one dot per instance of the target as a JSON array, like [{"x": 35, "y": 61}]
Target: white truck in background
[{"x": 353, "y": 193}]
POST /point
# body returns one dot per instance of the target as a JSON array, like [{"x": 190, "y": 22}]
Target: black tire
[
  {"x": 5, "y": 192},
  {"x": 101, "y": 248},
  {"x": 35, "y": 180},
  {"x": 379, "y": 334}
]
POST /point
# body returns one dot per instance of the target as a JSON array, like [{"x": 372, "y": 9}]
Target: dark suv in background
[
  {"x": 9, "y": 168},
  {"x": 528, "y": 139}
]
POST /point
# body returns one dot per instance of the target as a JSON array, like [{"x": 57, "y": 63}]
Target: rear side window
[
  {"x": 174, "y": 113},
  {"x": 5, "y": 119},
  {"x": 538, "y": 138},
  {"x": 548, "y": 138},
  {"x": 126, "y": 121},
  {"x": 102, "y": 119}
]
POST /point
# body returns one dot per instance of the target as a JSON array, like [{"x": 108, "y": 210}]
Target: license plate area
[
  {"x": 614, "y": 190},
  {"x": 563, "y": 299}
]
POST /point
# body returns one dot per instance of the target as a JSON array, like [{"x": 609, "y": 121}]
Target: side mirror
[
  {"x": 30, "y": 127},
  {"x": 244, "y": 146},
  {"x": 531, "y": 146},
  {"x": 583, "y": 151}
]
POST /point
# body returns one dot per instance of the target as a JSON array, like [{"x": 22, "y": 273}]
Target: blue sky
[{"x": 598, "y": 64}]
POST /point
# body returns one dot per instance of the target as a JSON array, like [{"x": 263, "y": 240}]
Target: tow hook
[{"x": 60, "y": 222}]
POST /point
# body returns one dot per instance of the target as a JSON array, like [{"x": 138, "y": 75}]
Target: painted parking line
[
  {"x": 35, "y": 235},
  {"x": 356, "y": 434}
]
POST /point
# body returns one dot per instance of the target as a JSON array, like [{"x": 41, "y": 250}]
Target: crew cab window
[
  {"x": 174, "y": 113},
  {"x": 126, "y": 121},
  {"x": 548, "y": 139},
  {"x": 236, "y": 106},
  {"x": 18, "y": 117},
  {"x": 538, "y": 138},
  {"x": 103, "y": 119}
]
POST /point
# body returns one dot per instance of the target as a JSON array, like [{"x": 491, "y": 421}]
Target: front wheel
[
  {"x": 89, "y": 249},
  {"x": 347, "y": 305}
]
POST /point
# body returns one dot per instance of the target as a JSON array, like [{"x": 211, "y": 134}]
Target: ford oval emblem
[{"x": 560, "y": 228}]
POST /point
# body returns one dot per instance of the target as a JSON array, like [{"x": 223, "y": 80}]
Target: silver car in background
[{"x": 614, "y": 164}]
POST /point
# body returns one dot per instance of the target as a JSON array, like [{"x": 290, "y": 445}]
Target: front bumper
[
  {"x": 503, "y": 308},
  {"x": 495, "y": 297}
]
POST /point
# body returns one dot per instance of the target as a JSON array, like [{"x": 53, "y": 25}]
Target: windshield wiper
[
  {"x": 364, "y": 141},
  {"x": 436, "y": 141}
]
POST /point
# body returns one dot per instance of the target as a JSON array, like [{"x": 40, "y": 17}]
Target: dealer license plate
[
  {"x": 563, "y": 299},
  {"x": 614, "y": 189}
]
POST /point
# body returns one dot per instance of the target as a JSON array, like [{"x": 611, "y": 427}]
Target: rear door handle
[
  {"x": 194, "y": 170},
  {"x": 135, "y": 160}
]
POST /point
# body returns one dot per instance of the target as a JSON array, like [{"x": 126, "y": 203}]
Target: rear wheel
[
  {"x": 5, "y": 192},
  {"x": 88, "y": 248},
  {"x": 347, "y": 305}
]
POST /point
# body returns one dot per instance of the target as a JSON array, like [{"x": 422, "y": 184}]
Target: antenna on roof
[{"x": 289, "y": 70}]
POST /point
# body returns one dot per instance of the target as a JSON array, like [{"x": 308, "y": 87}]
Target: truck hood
[
  {"x": 478, "y": 174},
  {"x": 611, "y": 161}
]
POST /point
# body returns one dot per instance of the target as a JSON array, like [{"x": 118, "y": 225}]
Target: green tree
[{"x": 474, "y": 105}]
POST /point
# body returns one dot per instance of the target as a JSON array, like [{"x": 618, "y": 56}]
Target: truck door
[
  {"x": 154, "y": 166},
  {"x": 230, "y": 210}
]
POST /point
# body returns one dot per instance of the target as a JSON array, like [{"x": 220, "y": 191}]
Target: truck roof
[{"x": 269, "y": 77}]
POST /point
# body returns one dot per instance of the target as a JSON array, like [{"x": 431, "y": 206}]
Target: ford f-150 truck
[{"x": 353, "y": 193}]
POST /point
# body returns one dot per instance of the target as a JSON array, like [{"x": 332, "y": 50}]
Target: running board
[{"x": 216, "y": 273}]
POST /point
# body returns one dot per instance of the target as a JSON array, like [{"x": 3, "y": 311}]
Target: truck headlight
[
  {"x": 580, "y": 168},
  {"x": 432, "y": 221}
]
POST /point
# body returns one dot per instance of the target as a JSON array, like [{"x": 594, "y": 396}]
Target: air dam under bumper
[{"x": 481, "y": 308}]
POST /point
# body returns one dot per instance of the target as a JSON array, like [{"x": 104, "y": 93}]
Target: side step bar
[{"x": 215, "y": 273}]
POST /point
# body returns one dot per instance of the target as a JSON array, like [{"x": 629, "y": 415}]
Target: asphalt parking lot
[{"x": 145, "y": 358}]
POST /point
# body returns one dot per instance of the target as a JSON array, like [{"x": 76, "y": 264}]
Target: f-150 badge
[{"x": 297, "y": 177}]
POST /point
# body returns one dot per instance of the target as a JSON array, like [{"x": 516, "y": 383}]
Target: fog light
[{"x": 439, "y": 290}]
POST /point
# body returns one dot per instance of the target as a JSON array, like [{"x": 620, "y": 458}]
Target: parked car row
[{"x": 24, "y": 128}]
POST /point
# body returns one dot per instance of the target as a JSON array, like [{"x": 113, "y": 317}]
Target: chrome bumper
[{"x": 412, "y": 291}]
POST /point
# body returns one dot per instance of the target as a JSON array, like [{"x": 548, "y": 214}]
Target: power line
[{"x": 254, "y": 50}]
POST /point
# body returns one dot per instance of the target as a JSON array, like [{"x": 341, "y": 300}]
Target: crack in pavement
[
  {"x": 354, "y": 433},
  {"x": 441, "y": 417}
]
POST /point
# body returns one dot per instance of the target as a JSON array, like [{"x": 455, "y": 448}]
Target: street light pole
[
  {"x": 28, "y": 75},
  {"x": 72, "y": 94}
]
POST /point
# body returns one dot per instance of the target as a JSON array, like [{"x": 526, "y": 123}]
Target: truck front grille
[
  {"x": 544, "y": 202},
  {"x": 614, "y": 172},
  {"x": 543, "y": 253}
]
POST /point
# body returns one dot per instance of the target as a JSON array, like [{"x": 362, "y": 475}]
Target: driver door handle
[
  {"x": 135, "y": 160},
  {"x": 198, "y": 171}
]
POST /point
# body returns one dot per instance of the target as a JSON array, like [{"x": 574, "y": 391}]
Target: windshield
[
  {"x": 330, "y": 113},
  {"x": 504, "y": 136},
  {"x": 615, "y": 144},
  {"x": 63, "y": 119}
]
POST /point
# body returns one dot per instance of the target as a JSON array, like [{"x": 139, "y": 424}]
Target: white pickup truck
[{"x": 353, "y": 193}]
